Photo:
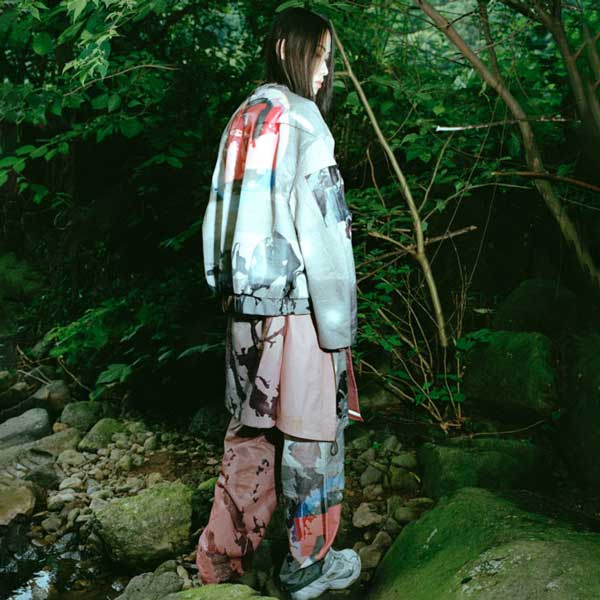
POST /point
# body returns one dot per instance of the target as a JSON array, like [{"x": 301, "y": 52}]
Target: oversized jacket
[{"x": 277, "y": 233}]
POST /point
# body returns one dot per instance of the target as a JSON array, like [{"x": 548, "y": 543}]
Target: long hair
[{"x": 303, "y": 31}]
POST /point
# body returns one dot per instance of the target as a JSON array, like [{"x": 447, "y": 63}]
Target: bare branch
[{"x": 582, "y": 184}]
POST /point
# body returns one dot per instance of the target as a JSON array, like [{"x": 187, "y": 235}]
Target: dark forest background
[{"x": 110, "y": 116}]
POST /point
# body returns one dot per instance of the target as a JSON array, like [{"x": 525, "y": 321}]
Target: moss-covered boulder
[
  {"x": 147, "y": 528},
  {"x": 511, "y": 374},
  {"x": 220, "y": 591},
  {"x": 82, "y": 415},
  {"x": 580, "y": 433},
  {"x": 100, "y": 435},
  {"x": 491, "y": 463},
  {"x": 476, "y": 543},
  {"x": 538, "y": 305}
]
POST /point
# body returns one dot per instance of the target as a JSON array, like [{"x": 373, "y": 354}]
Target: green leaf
[
  {"x": 76, "y": 7},
  {"x": 43, "y": 43},
  {"x": 114, "y": 102},
  {"x": 24, "y": 150},
  {"x": 130, "y": 127},
  {"x": 118, "y": 372}
]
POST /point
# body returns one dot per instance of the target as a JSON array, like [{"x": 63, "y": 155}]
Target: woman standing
[{"x": 277, "y": 244}]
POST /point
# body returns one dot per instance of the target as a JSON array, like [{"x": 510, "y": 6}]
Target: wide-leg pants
[{"x": 312, "y": 479}]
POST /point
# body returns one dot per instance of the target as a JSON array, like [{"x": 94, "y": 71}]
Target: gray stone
[
  {"x": 406, "y": 459},
  {"x": 366, "y": 515},
  {"x": 17, "y": 499},
  {"x": 71, "y": 457},
  {"x": 151, "y": 586},
  {"x": 370, "y": 476},
  {"x": 28, "y": 427},
  {"x": 401, "y": 479},
  {"x": 82, "y": 415},
  {"x": 370, "y": 556},
  {"x": 55, "y": 395},
  {"x": 7, "y": 379}
]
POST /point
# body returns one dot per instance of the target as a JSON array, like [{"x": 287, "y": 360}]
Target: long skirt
[{"x": 279, "y": 380}]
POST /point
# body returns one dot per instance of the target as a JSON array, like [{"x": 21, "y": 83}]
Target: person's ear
[{"x": 280, "y": 46}]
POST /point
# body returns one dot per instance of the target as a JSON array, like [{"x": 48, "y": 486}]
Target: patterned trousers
[{"x": 312, "y": 481}]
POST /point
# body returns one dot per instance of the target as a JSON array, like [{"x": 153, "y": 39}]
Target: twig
[
  {"x": 506, "y": 122},
  {"x": 148, "y": 66},
  {"x": 509, "y": 431},
  {"x": 61, "y": 362},
  {"x": 582, "y": 184},
  {"x": 420, "y": 255}
]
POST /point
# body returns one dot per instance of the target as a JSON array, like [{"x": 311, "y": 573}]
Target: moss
[
  {"x": 220, "y": 591},
  {"x": 512, "y": 372},
  {"x": 428, "y": 559},
  {"x": 100, "y": 435}
]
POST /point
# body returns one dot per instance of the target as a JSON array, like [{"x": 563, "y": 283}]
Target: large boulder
[
  {"x": 491, "y": 463},
  {"x": 148, "y": 527},
  {"x": 29, "y": 426},
  {"x": 476, "y": 543},
  {"x": 540, "y": 305},
  {"x": 153, "y": 586},
  {"x": 580, "y": 433},
  {"x": 511, "y": 374},
  {"x": 100, "y": 435}
]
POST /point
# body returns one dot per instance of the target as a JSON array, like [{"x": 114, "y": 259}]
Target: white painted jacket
[{"x": 277, "y": 233}]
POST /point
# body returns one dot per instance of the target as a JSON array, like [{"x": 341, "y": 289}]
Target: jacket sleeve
[{"x": 323, "y": 226}]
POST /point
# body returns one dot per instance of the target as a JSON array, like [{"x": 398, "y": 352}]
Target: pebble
[
  {"x": 365, "y": 516},
  {"x": 370, "y": 556}
]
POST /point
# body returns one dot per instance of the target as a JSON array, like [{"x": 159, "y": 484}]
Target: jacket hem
[{"x": 252, "y": 305}]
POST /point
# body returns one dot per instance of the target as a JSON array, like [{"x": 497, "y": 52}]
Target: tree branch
[
  {"x": 582, "y": 184},
  {"x": 419, "y": 255}
]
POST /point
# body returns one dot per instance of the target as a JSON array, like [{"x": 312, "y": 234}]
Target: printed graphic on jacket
[{"x": 327, "y": 187}]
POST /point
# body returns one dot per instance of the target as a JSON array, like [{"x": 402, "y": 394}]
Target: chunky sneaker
[{"x": 341, "y": 569}]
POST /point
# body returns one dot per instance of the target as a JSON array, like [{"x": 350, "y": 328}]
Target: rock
[
  {"x": 512, "y": 373},
  {"x": 57, "y": 442},
  {"x": 580, "y": 431},
  {"x": 59, "y": 500},
  {"x": 125, "y": 462},
  {"x": 370, "y": 475},
  {"x": 52, "y": 523},
  {"x": 82, "y": 415},
  {"x": 370, "y": 556},
  {"x": 7, "y": 379},
  {"x": 368, "y": 456},
  {"x": 73, "y": 482},
  {"x": 41, "y": 349},
  {"x": 27, "y": 427},
  {"x": 493, "y": 463},
  {"x": 401, "y": 479},
  {"x": 476, "y": 543},
  {"x": 17, "y": 499},
  {"x": 14, "y": 394},
  {"x": 146, "y": 528},
  {"x": 151, "y": 586},
  {"x": 361, "y": 443},
  {"x": 406, "y": 514},
  {"x": 136, "y": 427},
  {"x": 55, "y": 395},
  {"x": 373, "y": 491},
  {"x": 391, "y": 444},
  {"x": 392, "y": 527},
  {"x": 218, "y": 591},
  {"x": 150, "y": 443},
  {"x": 154, "y": 478},
  {"x": 406, "y": 459},
  {"x": 44, "y": 475},
  {"x": 538, "y": 305},
  {"x": 365, "y": 516},
  {"x": 100, "y": 435},
  {"x": 382, "y": 540},
  {"x": 71, "y": 457}
]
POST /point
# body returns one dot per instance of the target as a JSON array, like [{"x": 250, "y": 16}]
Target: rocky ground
[{"x": 90, "y": 486}]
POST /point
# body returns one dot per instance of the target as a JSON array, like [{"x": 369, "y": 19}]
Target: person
[{"x": 277, "y": 244}]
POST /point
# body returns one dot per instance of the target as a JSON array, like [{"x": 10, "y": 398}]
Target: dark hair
[{"x": 303, "y": 31}]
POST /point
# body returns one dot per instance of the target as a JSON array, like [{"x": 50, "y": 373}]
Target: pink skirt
[{"x": 278, "y": 376}]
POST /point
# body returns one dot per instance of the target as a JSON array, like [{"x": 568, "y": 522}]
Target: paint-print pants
[{"x": 312, "y": 479}]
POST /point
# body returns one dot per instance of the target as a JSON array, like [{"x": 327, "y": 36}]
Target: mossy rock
[
  {"x": 491, "y": 463},
  {"x": 476, "y": 543},
  {"x": 538, "y": 305},
  {"x": 100, "y": 435},
  {"x": 580, "y": 434},
  {"x": 82, "y": 415},
  {"x": 147, "y": 528},
  {"x": 218, "y": 591},
  {"x": 511, "y": 375}
]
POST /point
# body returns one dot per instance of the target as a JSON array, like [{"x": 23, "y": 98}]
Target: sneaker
[{"x": 340, "y": 570}]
